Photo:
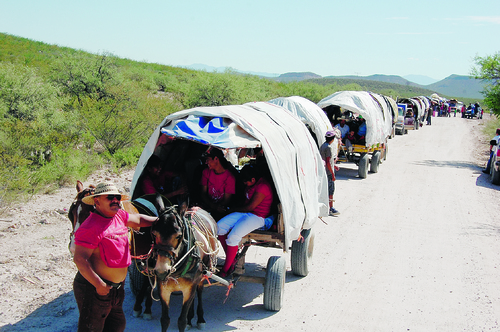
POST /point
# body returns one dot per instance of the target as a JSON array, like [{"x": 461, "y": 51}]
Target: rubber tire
[
  {"x": 375, "y": 162},
  {"x": 274, "y": 286},
  {"x": 363, "y": 166},
  {"x": 301, "y": 255},
  {"x": 136, "y": 278},
  {"x": 494, "y": 176}
]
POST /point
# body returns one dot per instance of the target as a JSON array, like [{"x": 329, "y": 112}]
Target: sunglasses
[{"x": 118, "y": 197}]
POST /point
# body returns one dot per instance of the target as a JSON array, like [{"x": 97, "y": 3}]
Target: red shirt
[
  {"x": 262, "y": 186},
  {"x": 110, "y": 235},
  {"x": 218, "y": 184}
]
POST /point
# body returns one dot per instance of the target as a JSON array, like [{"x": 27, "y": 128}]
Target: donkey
[
  {"x": 79, "y": 211},
  {"x": 184, "y": 247}
]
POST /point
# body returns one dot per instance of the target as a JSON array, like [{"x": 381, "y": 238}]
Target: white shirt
[{"x": 343, "y": 130}]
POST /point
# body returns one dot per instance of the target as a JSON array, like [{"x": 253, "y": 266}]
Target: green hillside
[
  {"x": 463, "y": 86},
  {"x": 66, "y": 112}
]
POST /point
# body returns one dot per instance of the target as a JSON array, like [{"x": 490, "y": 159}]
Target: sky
[{"x": 327, "y": 37}]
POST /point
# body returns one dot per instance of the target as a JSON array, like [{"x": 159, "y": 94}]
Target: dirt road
[{"x": 415, "y": 248}]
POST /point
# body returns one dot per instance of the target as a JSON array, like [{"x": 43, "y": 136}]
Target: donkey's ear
[
  {"x": 182, "y": 209},
  {"x": 159, "y": 203},
  {"x": 79, "y": 186}
]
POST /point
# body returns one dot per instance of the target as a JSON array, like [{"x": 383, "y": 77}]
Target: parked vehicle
[
  {"x": 357, "y": 107},
  {"x": 413, "y": 117},
  {"x": 495, "y": 163},
  {"x": 405, "y": 121}
]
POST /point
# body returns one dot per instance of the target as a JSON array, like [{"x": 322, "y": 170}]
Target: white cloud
[
  {"x": 485, "y": 19},
  {"x": 400, "y": 18}
]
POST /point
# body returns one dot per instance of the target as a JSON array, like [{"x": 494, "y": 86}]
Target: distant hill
[
  {"x": 453, "y": 86},
  {"x": 420, "y": 79},
  {"x": 393, "y": 90},
  {"x": 290, "y": 77},
  {"x": 459, "y": 86},
  {"x": 199, "y": 66},
  {"x": 380, "y": 78}
]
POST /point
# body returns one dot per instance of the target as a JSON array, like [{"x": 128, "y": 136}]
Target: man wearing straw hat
[{"x": 102, "y": 257}]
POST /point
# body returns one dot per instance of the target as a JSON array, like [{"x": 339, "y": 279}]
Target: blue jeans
[{"x": 98, "y": 313}]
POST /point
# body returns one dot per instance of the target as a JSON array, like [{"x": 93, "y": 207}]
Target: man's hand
[{"x": 103, "y": 290}]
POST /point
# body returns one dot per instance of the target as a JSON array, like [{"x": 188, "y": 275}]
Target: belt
[{"x": 116, "y": 285}]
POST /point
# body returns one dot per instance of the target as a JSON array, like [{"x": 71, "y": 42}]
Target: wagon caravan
[{"x": 294, "y": 168}]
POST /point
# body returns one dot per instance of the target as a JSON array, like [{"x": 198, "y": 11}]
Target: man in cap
[
  {"x": 102, "y": 257},
  {"x": 329, "y": 152}
]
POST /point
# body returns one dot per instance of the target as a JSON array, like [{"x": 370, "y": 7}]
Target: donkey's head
[
  {"x": 79, "y": 211},
  {"x": 168, "y": 236}
]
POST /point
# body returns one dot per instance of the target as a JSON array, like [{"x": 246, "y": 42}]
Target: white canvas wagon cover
[
  {"x": 309, "y": 113},
  {"x": 361, "y": 102},
  {"x": 291, "y": 153}
]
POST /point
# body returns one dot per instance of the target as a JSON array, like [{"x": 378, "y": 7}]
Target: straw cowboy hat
[{"x": 105, "y": 188}]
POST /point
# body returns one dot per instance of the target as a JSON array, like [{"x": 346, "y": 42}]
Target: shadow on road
[
  {"x": 483, "y": 180},
  {"x": 447, "y": 163},
  {"x": 242, "y": 304}
]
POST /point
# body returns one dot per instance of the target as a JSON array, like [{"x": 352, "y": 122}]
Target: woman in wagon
[
  {"x": 246, "y": 218},
  {"x": 218, "y": 184}
]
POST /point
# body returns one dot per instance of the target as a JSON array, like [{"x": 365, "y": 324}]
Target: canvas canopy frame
[
  {"x": 291, "y": 153},
  {"x": 378, "y": 119}
]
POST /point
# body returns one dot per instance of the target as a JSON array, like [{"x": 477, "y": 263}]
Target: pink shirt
[
  {"x": 218, "y": 184},
  {"x": 262, "y": 186},
  {"x": 110, "y": 235}
]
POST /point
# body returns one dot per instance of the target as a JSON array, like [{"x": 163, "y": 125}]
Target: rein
[{"x": 190, "y": 257}]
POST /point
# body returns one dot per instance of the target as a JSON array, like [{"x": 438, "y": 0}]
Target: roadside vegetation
[
  {"x": 487, "y": 68},
  {"x": 66, "y": 112}
]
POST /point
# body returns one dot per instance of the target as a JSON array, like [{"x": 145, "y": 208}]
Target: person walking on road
[{"x": 329, "y": 152}]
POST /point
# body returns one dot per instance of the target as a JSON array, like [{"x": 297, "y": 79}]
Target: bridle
[{"x": 185, "y": 256}]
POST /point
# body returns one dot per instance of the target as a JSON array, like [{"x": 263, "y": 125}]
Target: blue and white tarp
[{"x": 291, "y": 153}]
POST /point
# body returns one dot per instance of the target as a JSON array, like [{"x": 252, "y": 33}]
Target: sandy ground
[{"x": 415, "y": 248}]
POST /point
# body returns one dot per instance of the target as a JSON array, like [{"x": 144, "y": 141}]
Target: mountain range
[{"x": 458, "y": 86}]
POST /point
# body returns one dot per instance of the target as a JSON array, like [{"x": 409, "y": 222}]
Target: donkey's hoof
[
  {"x": 147, "y": 316},
  {"x": 201, "y": 326},
  {"x": 136, "y": 313}
]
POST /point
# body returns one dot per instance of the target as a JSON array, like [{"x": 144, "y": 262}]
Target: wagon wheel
[
  {"x": 274, "y": 285},
  {"x": 363, "y": 166},
  {"x": 375, "y": 163},
  {"x": 302, "y": 253},
  {"x": 136, "y": 278}
]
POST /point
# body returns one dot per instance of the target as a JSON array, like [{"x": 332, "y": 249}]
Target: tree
[{"x": 488, "y": 69}]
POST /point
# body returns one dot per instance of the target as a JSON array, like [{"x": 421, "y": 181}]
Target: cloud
[
  {"x": 485, "y": 19},
  {"x": 398, "y": 18}
]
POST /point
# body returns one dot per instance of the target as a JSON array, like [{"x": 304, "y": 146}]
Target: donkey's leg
[
  {"x": 148, "y": 314},
  {"x": 140, "y": 296},
  {"x": 188, "y": 297},
  {"x": 190, "y": 315},
  {"x": 165, "y": 318},
  {"x": 199, "y": 312}
]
